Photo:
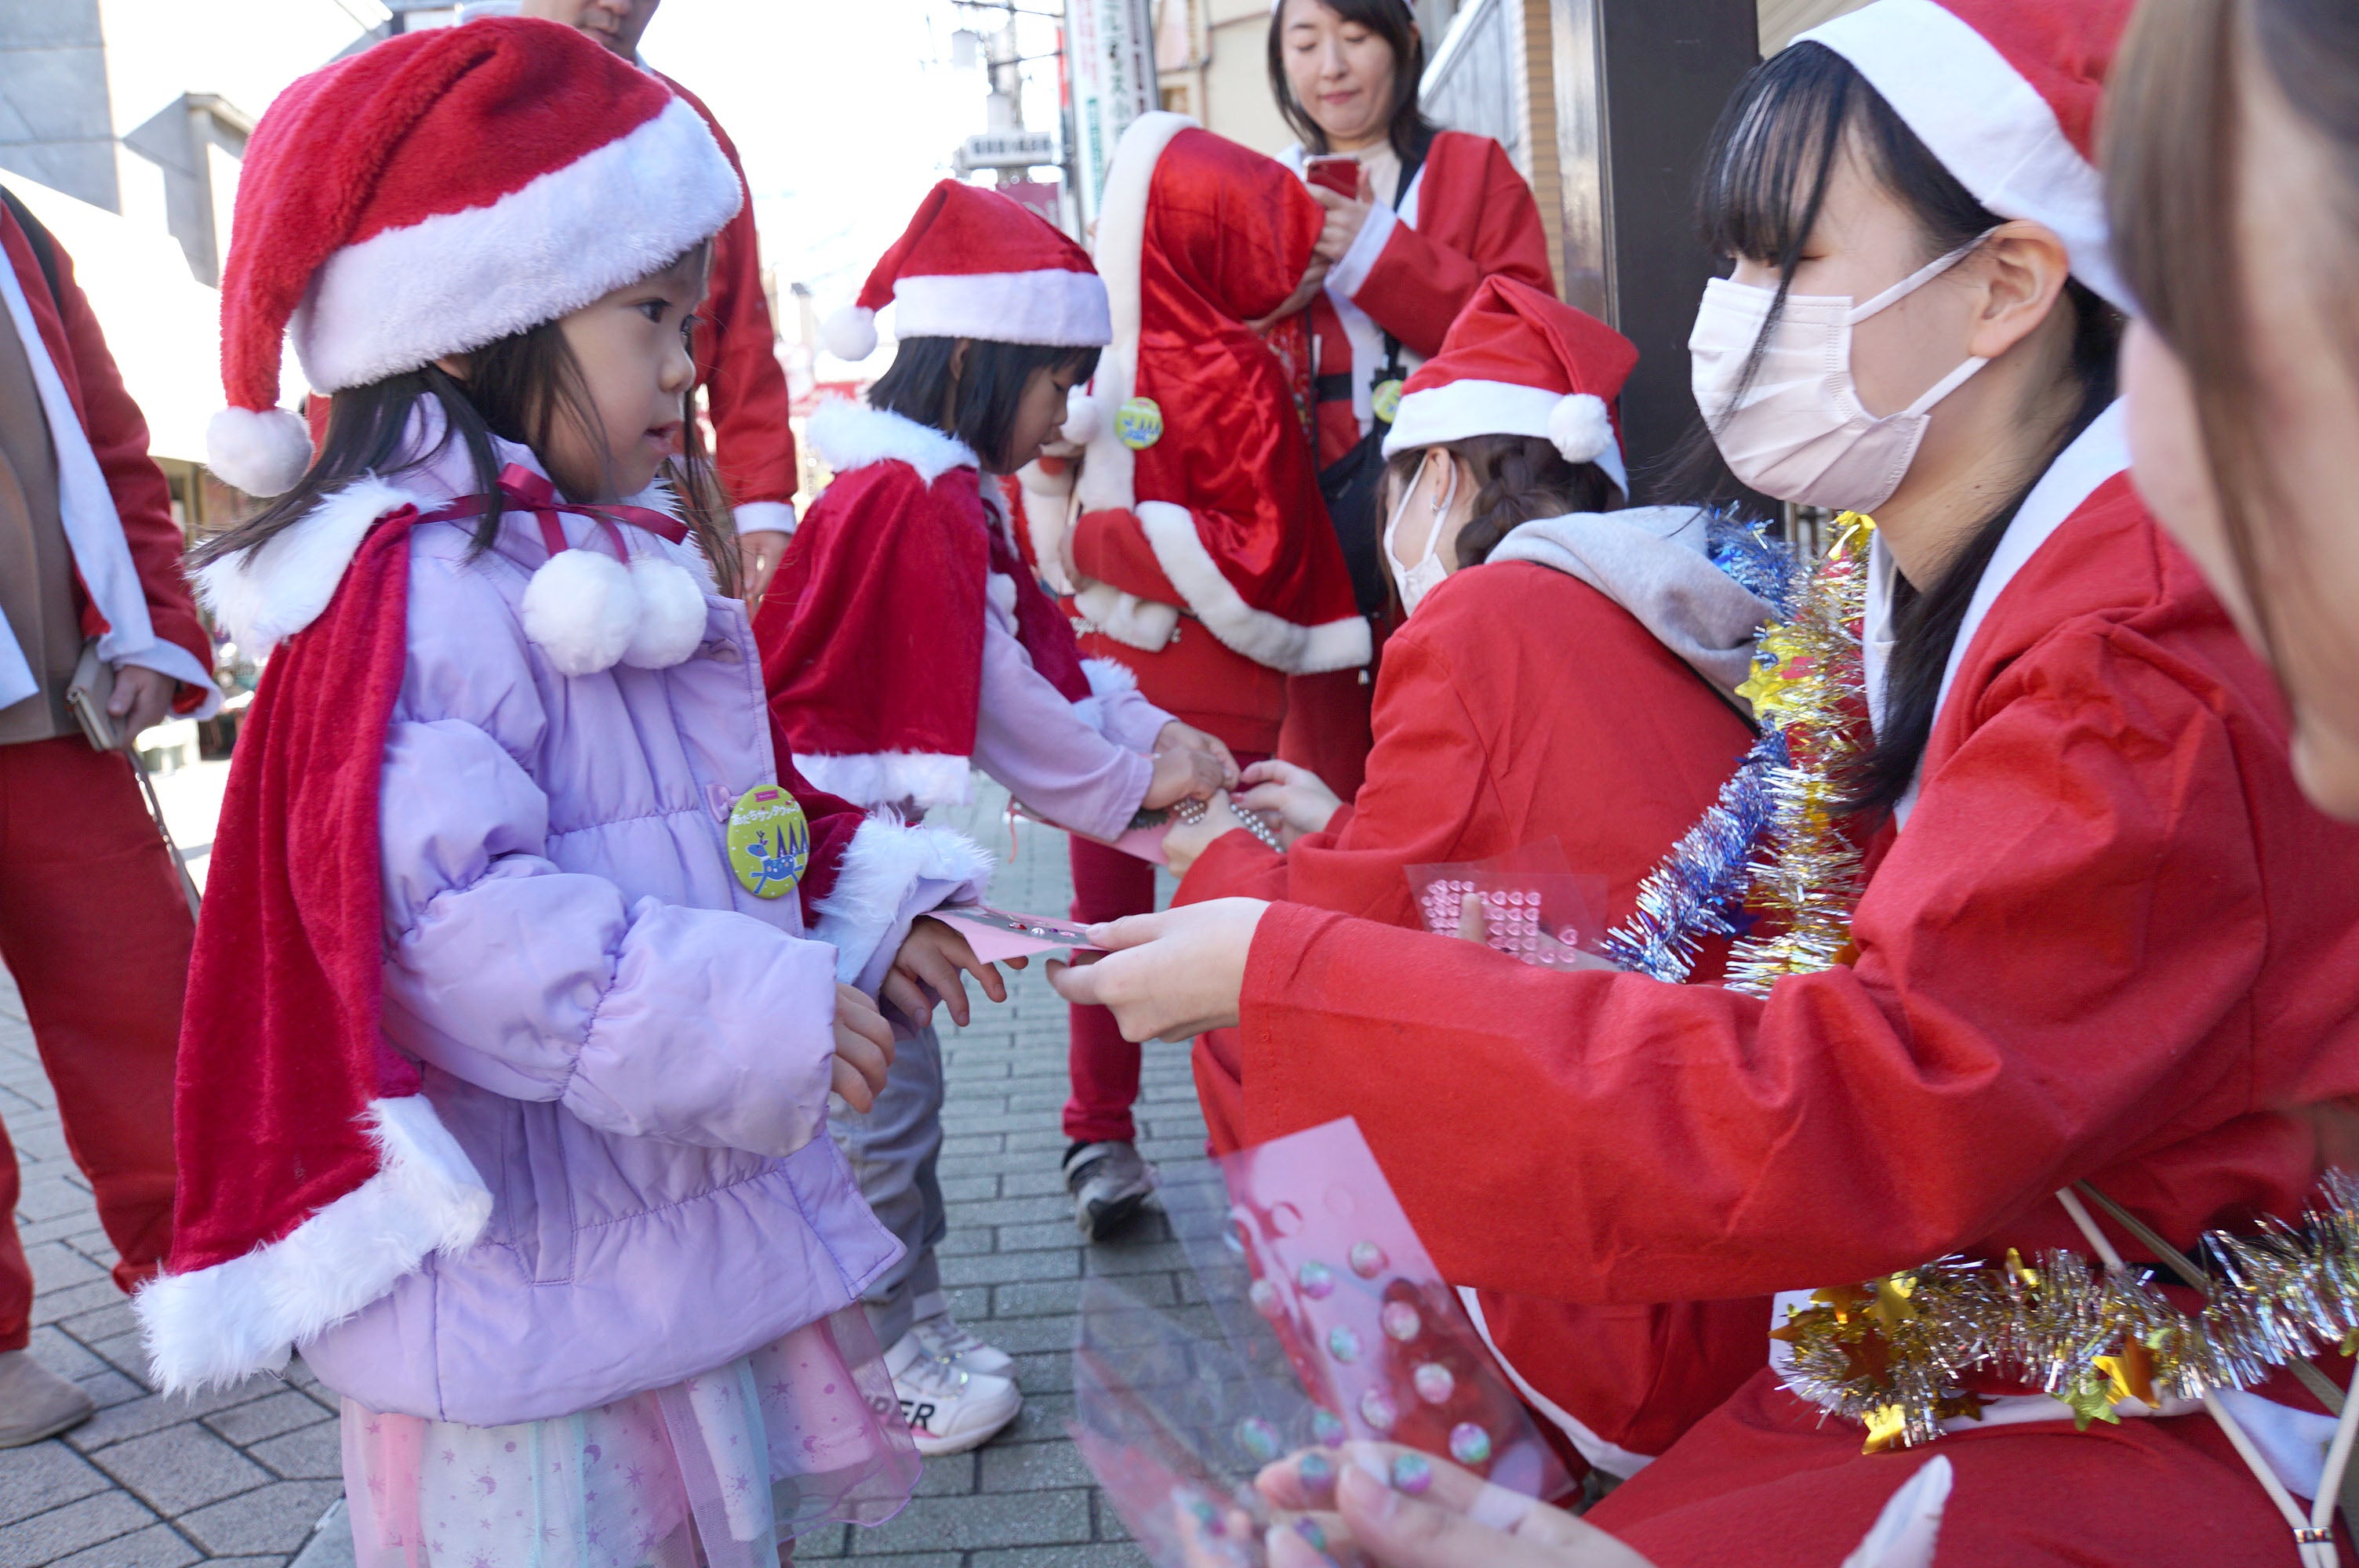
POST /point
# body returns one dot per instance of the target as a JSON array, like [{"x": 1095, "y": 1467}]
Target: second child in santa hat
[
  {"x": 518, "y": 997},
  {"x": 906, "y": 643},
  {"x": 1565, "y": 675}
]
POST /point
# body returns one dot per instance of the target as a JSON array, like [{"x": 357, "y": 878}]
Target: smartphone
[{"x": 1339, "y": 172}]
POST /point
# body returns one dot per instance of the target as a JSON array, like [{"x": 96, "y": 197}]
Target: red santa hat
[
  {"x": 436, "y": 193},
  {"x": 1192, "y": 427},
  {"x": 2005, "y": 93},
  {"x": 1520, "y": 363},
  {"x": 975, "y": 264}
]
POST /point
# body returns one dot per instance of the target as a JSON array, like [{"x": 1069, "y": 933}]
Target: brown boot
[{"x": 34, "y": 1403}]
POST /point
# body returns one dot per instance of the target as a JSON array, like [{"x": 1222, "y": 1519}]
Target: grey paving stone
[
  {"x": 274, "y": 1519},
  {"x": 153, "y": 1412},
  {"x": 314, "y": 1453},
  {"x": 951, "y": 1475},
  {"x": 158, "y": 1546},
  {"x": 1026, "y": 1518},
  {"x": 267, "y": 1417},
  {"x": 181, "y": 1469},
  {"x": 61, "y": 1533},
  {"x": 1104, "y": 1555},
  {"x": 1008, "y": 1268},
  {"x": 1032, "y": 1467},
  {"x": 41, "y": 1476},
  {"x": 57, "y": 1351}
]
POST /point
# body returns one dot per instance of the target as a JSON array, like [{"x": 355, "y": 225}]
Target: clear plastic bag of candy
[
  {"x": 1534, "y": 906},
  {"x": 1321, "y": 1320}
]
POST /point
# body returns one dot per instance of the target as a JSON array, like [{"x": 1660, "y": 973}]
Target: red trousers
[
  {"x": 95, "y": 931},
  {"x": 1107, "y": 885}
]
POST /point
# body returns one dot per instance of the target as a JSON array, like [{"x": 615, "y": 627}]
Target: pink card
[{"x": 995, "y": 933}]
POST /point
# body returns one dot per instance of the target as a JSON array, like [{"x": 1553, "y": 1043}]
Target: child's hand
[
  {"x": 1178, "y": 737},
  {"x": 1297, "y": 797},
  {"x": 864, "y": 1048},
  {"x": 1183, "y": 775},
  {"x": 927, "y": 968},
  {"x": 1188, "y": 840}
]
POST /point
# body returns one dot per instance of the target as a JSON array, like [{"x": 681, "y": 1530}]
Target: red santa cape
[
  {"x": 879, "y": 690},
  {"x": 1198, "y": 236}
]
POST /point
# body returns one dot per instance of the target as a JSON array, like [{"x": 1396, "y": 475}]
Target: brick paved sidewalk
[{"x": 242, "y": 1475}]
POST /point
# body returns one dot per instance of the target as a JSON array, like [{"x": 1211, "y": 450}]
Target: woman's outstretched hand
[
  {"x": 863, "y": 1049},
  {"x": 1178, "y": 737},
  {"x": 1170, "y": 976},
  {"x": 1458, "y": 1521},
  {"x": 927, "y": 970},
  {"x": 1297, "y": 797}
]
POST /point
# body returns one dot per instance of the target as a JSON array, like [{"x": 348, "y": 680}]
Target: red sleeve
[
  {"x": 1111, "y": 548},
  {"x": 2055, "y": 975},
  {"x": 1419, "y": 283},
  {"x": 832, "y": 821},
  {"x": 737, "y": 355},
  {"x": 117, "y": 432}
]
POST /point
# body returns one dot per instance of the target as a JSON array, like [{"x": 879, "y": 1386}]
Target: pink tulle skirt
[{"x": 721, "y": 1471}]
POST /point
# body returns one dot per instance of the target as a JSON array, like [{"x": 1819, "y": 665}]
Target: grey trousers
[{"x": 891, "y": 1151}]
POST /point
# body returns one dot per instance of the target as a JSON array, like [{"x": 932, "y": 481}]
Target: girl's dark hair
[
  {"x": 1407, "y": 128},
  {"x": 2173, "y": 145},
  {"x": 989, "y": 387},
  {"x": 1517, "y": 479},
  {"x": 1771, "y": 159},
  {"x": 518, "y": 389}
]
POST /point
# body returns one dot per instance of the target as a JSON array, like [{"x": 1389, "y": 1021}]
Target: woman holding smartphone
[{"x": 1417, "y": 218}]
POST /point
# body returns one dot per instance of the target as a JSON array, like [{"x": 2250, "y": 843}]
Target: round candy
[
  {"x": 1401, "y": 1322},
  {"x": 1328, "y": 1428},
  {"x": 1469, "y": 1443},
  {"x": 1434, "y": 1383},
  {"x": 1258, "y": 1439},
  {"x": 1343, "y": 1344},
  {"x": 1376, "y": 1408},
  {"x": 1368, "y": 1260},
  {"x": 1263, "y": 1293},
  {"x": 1316, "y": 1280},
  {"x": 1139, "y": 423},
  {"x": 1412, "y": 1473}
]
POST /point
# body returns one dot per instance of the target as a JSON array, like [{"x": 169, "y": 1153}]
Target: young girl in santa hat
[
  {"x": 906, "y": 642},
  {"x": 2090, "y": 995},
  {"x": 516, "y": 1006},
  {"x": 1566, "y": 674}
]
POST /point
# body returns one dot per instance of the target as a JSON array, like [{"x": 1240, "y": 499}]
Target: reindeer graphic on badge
[{"x": 769, "y": 842}]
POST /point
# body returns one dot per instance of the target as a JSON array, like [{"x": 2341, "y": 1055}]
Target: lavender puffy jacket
[{"x": 632, "y": 1050}]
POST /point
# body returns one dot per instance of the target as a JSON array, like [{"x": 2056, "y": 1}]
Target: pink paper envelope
[{"x": 995, "y": 933}]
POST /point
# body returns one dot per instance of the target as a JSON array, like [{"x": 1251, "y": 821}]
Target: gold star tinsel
[
  {"x": 1895, "y": 1354},
  {"x": 1807, "y": 680}
]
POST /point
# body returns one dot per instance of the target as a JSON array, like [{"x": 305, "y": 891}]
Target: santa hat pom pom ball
[
  {"x": 1084, "y": 418},
  {"x": 672, "y": 614},
  {"x": 1580, "y": 427},
  {"x": 262, "y": 452},
  {"x": 849, "y": 333},
  {"x": 583, "y": 610}
]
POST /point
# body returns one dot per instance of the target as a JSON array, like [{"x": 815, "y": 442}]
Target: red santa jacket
[
  {"x": 737, "y": 362},
  {"x": 117, "y": 433},
  {"x": 1483, "y": 746},
  {"x": 1467, "y": 214}
]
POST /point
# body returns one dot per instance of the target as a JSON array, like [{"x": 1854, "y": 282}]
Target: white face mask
[
  {"x": 1419, "y": 578},
  {"x": 1798, "y": 431}
]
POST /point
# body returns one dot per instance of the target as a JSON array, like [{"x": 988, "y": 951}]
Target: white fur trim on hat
[
  {"x": 457, "y": 281},
  {"x": 1051, "y": 306},
  {"x": 1266, "y": 639},
  {"x": 581, "y": 609},
  {"x": 1460, "y": 410},
  {"x": 1988, "y": 126},
  {"x": 849, "y": 333},
  {"x": 670, "y": 624},
  {"x": 262, "y": 452},
  {"x": 213, "y": 1326},
  {"x": 1108, "y": 477}
]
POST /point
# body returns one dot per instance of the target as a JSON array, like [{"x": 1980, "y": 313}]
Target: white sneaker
[
  {"x": 949, "y": 1410},
  {"x": 943, "y": 1337}
]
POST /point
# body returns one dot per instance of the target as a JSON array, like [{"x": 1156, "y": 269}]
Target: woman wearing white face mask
[
  {"x": 2102, "y": 940},
  {"x": 1571, "y": 682}
]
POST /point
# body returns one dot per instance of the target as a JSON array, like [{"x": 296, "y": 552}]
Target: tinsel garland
[
  {"x": 1770, "y": 845},
  {"x": 1896, "y": 1353}
]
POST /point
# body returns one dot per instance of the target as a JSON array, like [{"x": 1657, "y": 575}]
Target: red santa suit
[
  {"x": 1465, "y": 215},
  {"x": 93, "y": 921},
  {"x": 1205, "y": 560}
]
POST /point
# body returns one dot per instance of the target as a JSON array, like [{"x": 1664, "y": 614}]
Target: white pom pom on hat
[
  {"x": 849, "y": 333},
  {"x": 262, "y": 452},
  {"x": 1580, "y": 427}
]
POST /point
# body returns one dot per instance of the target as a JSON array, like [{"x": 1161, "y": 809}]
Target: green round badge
[
  {"x": 769, "y": 842},
  {"x": 1387, "y": 400},
  {"x": 1139, "y": 423}
]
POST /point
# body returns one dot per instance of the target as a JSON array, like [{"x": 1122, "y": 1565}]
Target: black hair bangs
[{"x": 1774, "y": 153}]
